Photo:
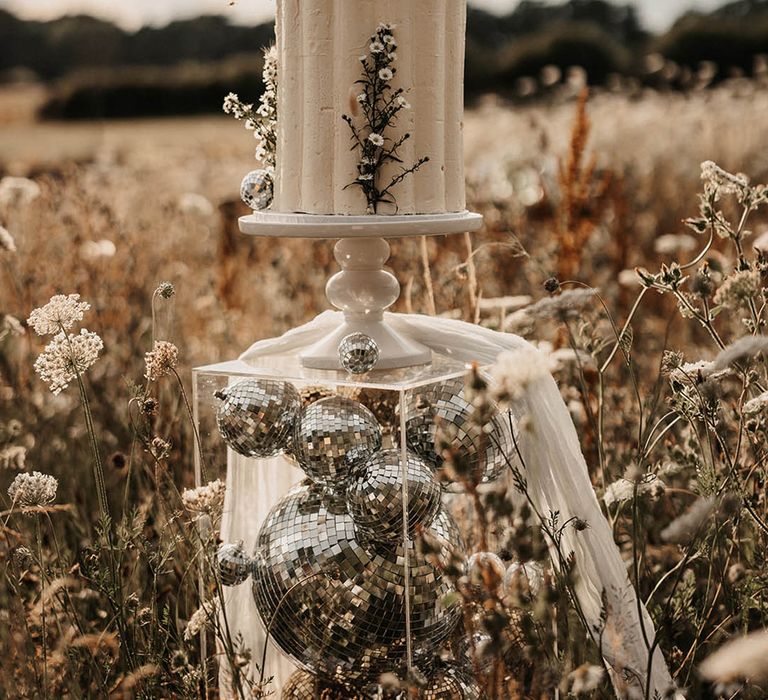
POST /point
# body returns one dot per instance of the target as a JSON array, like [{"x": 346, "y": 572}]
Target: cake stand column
[{"x": 363, "y": 290}]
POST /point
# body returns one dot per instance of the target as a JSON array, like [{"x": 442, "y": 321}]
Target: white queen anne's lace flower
[
  {"x": 33, "y": 490},
  {"x": 161, "y": 360},
  {"x": 66, "y": 356},
  {"x": 516, "y": 370},
  {"x": 61, "y": 312},
  {"x": 205, "y": 499}
]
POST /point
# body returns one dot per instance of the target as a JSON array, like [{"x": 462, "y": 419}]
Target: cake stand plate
[
  {"x": 363, "y": 289},
  {"x": 278, "y": 224}
]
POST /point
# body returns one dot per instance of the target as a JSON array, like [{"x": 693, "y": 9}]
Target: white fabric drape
[{"x": 557, "y": 478}]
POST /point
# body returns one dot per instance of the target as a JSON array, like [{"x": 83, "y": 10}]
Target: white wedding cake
[{"x": 322, "y": 50}]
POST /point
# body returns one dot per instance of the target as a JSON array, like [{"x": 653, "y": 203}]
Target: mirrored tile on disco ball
[
  {"x": 451, "y": 681},
  {"x": 333, "y": 439},
  {"x": 303, "y": 685},
  {"x": 342, "y": 613},
  {"x": 256, "y": 416},
  {"x": 484, "y": 449},
  {"x": 375, "y": 496}
]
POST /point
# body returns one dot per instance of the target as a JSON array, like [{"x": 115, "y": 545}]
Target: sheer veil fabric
[{"x": 557, "y": 478}]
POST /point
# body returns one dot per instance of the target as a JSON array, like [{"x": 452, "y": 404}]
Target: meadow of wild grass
[{"x": 582, "y": 192}]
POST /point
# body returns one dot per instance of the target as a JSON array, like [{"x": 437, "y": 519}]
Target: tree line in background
[{"x": 99, "y": 70}]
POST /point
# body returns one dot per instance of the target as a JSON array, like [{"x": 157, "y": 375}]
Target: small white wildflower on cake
[
  {"x": 402, "y": 102},
  {"x": 33, "y": 490},
  {"x": 60, "y": 313},
  {"x": 205, "y": 499},
  {"x": 362, "y": 97},
  {"x": 516, "y": 370},
  {"x": 67, "y": 356},
  {"x": 386, "y": 74},
  {"x": 202, "y": 618},
  {"x": 740, "y": 659},
  {"x": 161, "y": 360},
  {"x": 376, "y": 47},
  {"x": 376, "y": 139},
  {"x": 6, "y": 241}
]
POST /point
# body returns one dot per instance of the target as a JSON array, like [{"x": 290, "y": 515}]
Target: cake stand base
[{"x": 363, "y": 289}]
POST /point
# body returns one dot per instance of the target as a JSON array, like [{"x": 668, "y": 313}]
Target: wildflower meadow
[{"x": 626, "y": 236}]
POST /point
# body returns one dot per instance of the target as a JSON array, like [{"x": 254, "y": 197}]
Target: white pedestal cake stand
[{"x": 363, "y": 289}]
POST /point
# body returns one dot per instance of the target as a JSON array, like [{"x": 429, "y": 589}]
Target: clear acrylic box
[{"x": 329, "y": 574}]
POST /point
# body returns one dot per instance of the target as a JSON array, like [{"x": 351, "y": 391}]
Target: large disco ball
[
  {"x": 375, "y": 496},
  {"x": 451, "y": 681},
  {"x": 256, "y": 417},
  {"x": 481, "y": 448},
  {"x": 335, "y": 602},
  {"x": 334, "y": 438}
]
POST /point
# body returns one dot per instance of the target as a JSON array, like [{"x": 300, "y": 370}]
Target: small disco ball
[
  {"x": 234, "y": 564},
  {"x": 336, "y": 603},
  {"x": 256, "y": 417},
  {"x": 358, "y": 353},
  {"x": 333, "y": 439},
  {"x": 470, "y": 651},
  {"x": 451, "y": 681},
  {"x": 375, "y": 496},
  {"x": 303, "y": 685},
  {"x": 481, "y": 448},
  {"x": 523, "y": 578},
  {"x": 257, "y": 189}
]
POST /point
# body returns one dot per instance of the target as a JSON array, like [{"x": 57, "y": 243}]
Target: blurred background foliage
[{"x": 94, "y": 69}]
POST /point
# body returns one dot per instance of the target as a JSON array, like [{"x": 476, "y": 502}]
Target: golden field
[{"x": 126, "y": 205}]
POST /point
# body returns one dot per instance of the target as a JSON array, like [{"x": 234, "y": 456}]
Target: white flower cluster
[
  {"x": 60, "y": 313},
  {"x": 67, "y": 356},
  {"x": 516, "y": 370},
  {"x": 721, "y": 181},
  {"x": 160, "y": 360},
  {"x": 622, "y": 490},
  {"x": 203, "y": 617},
  {"x": 32, "y": 490},
  {"x": 205, "y": 499},
  {"x": 263, "y": 120}
]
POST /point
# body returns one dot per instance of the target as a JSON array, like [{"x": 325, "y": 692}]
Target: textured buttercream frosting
[{"x": 319, "y": 44}]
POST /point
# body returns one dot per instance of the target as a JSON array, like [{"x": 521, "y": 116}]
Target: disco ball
[
  {"x": 256, "y": 417},
  {"x": 470, "y": 651},
  {"x": 335, "y": 602},
  {"x": 303, "y": 685},
  {"x": 257, "y": 189},
  {"x": 234, "y": 564},
  {"x": 451, "y": 681},
  {"x": 481, "y": 448},
  {"x": 334, "y": 438},
  {"x": 358, "y": 353},
  {"x": 375, "y": 496},
  {"x": 526, "y": 578}
]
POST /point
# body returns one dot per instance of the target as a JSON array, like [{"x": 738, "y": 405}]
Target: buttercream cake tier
[{"x": 319, "y": 45}]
